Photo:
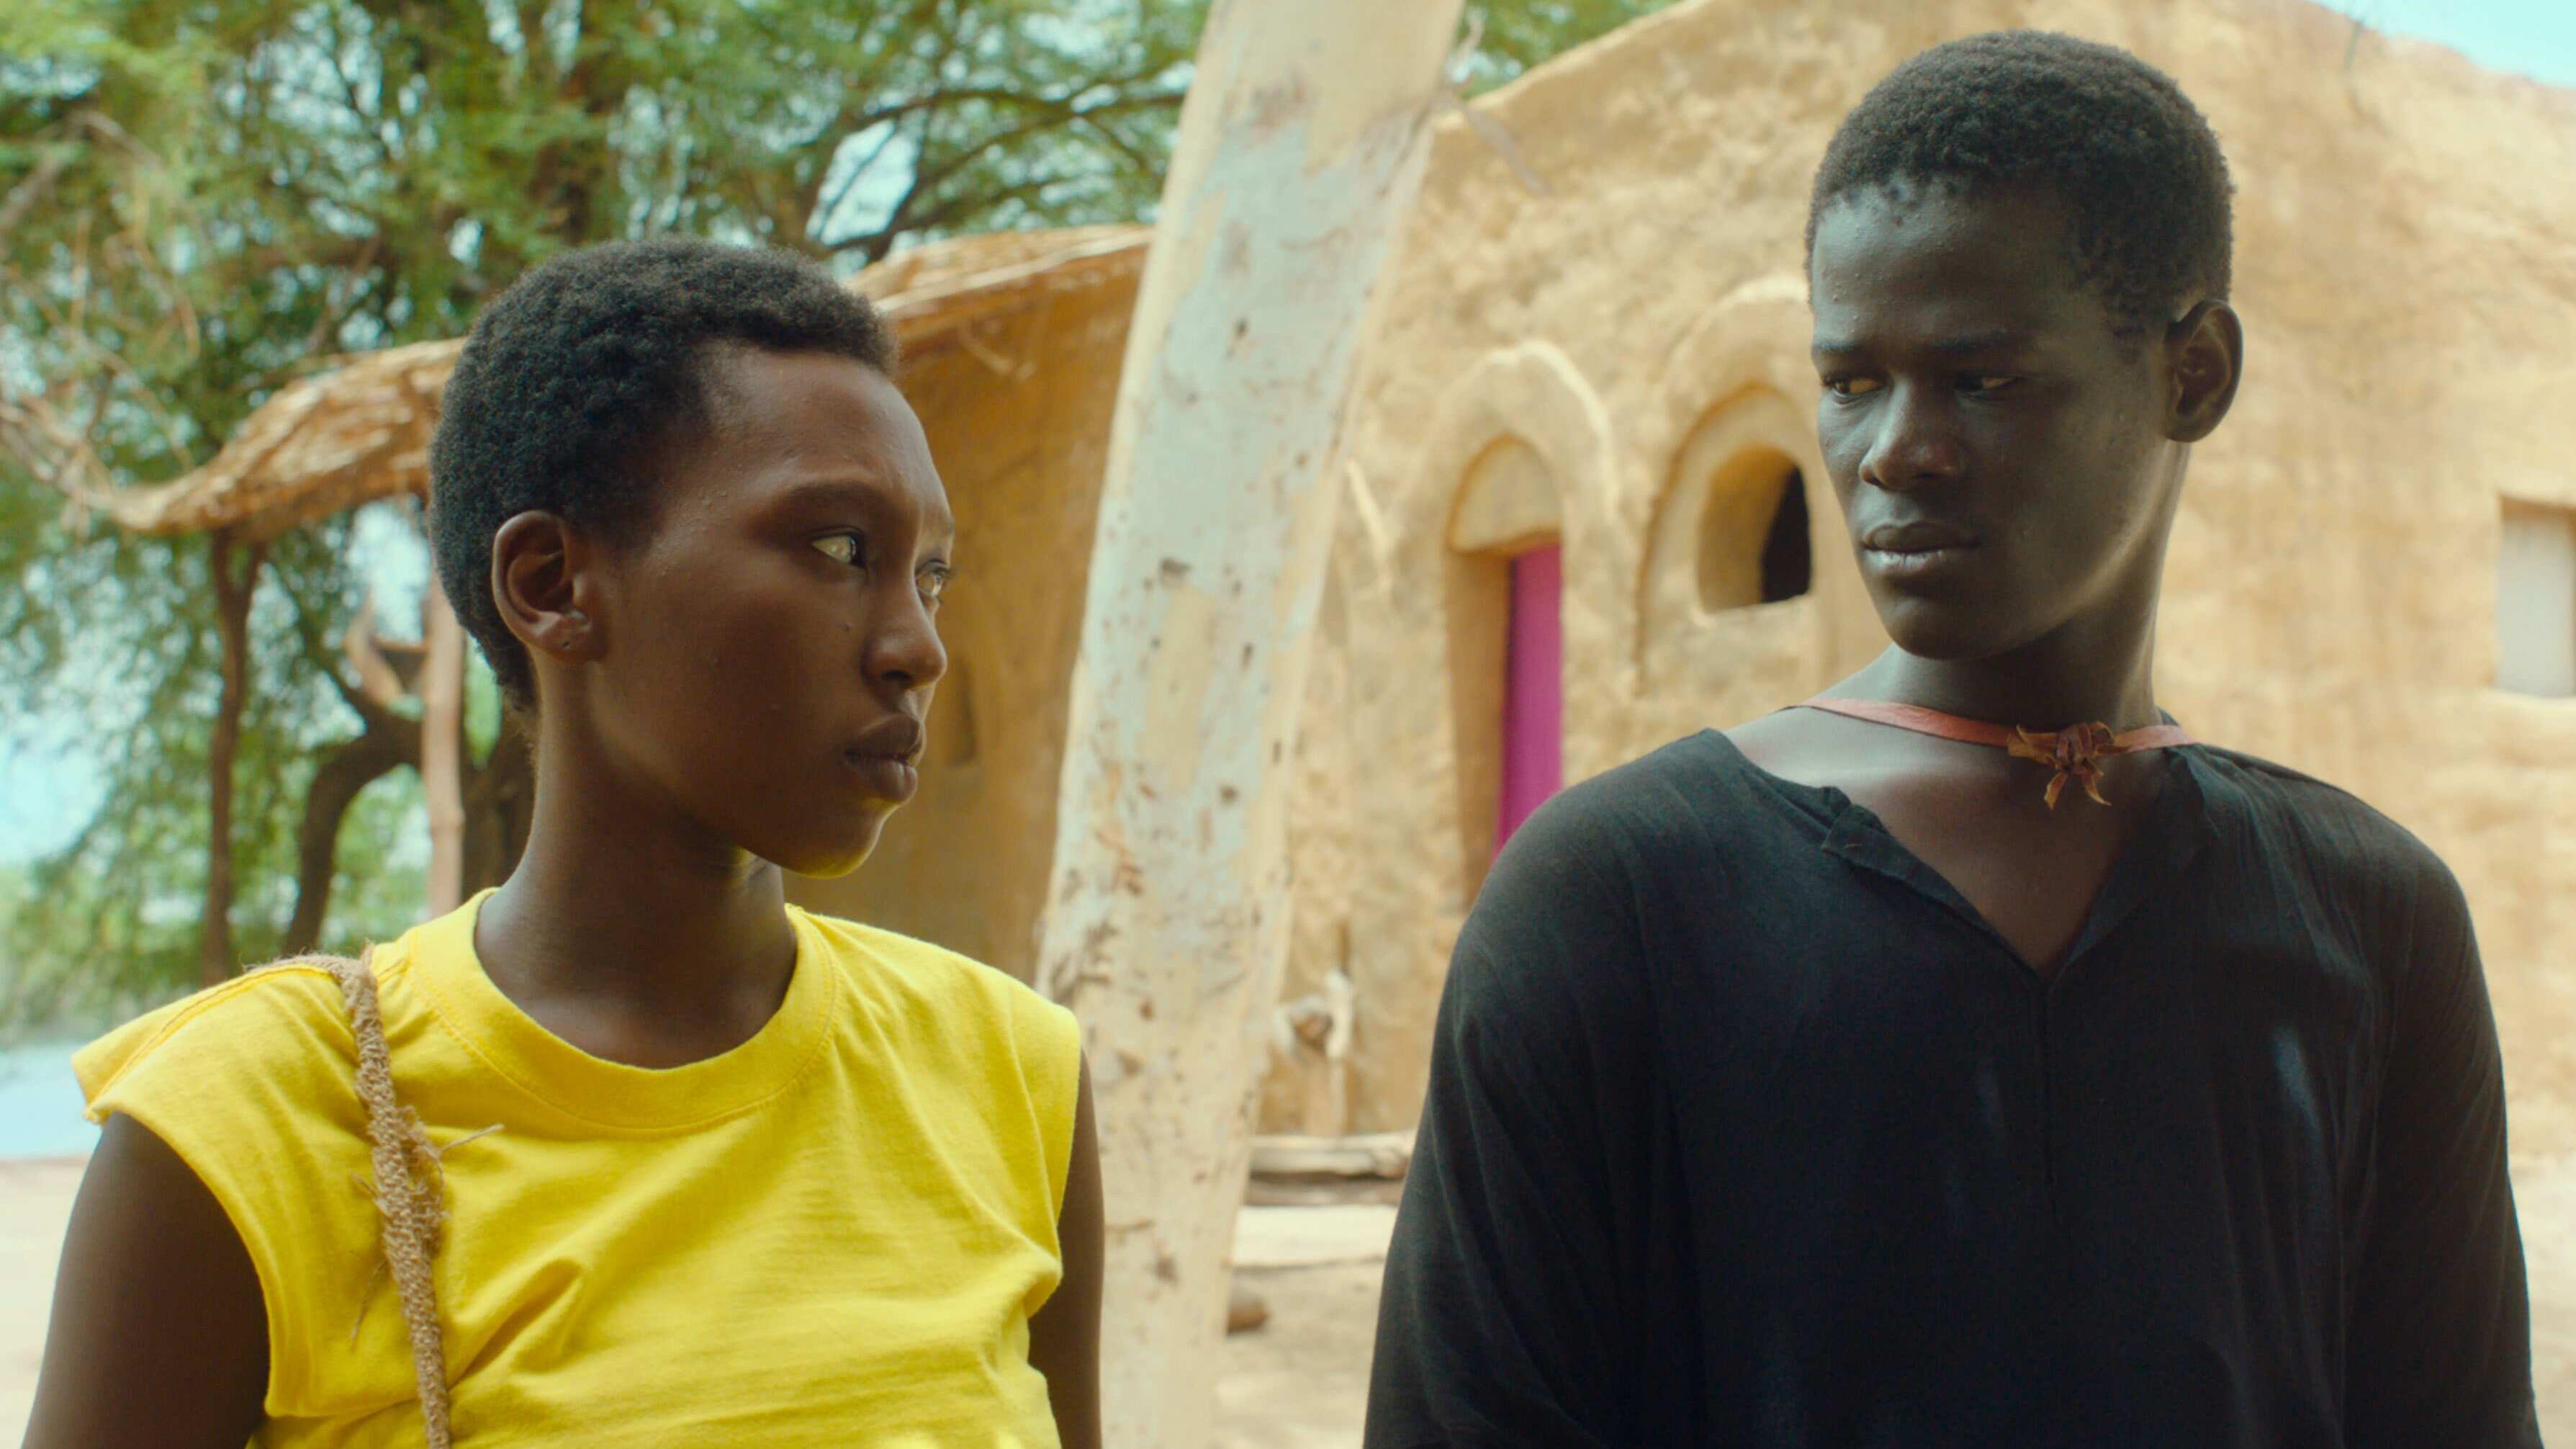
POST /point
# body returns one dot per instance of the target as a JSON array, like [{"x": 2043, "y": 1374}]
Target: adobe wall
[
  {"x": 1017, "y": 409},
  {"x": 2406, "y": 266}
]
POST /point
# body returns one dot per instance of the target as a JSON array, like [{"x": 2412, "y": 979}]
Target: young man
[{"x": 1852, "y": 1078}]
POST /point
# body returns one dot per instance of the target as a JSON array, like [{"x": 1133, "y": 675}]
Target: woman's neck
[{"x": 621, "y": 910}]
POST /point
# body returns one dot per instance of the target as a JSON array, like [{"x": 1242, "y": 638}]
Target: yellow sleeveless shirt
[{"x": 834, "y": 1234}]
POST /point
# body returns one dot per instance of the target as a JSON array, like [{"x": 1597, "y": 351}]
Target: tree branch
[{"x": 388, "y": 743}]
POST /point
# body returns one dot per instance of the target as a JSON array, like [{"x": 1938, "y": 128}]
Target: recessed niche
[{"x": 2536, "y": 601}]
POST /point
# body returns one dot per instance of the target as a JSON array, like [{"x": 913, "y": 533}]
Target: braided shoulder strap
[{"x": 409, "y": 1190}]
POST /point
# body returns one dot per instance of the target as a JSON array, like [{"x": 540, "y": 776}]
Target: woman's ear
[
  {"x": 2207, "y": 357},
  {"x": 542, "y": 585}
]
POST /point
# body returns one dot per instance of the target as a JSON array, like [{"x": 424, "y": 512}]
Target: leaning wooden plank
[{"x": 1377, "y": 1154}]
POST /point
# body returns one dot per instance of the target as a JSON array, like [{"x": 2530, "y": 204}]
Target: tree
[
  {"x": 1298, "y": 160},
  {"x": 199, "y": 203},
  {"x": 1514, "y": 35}
]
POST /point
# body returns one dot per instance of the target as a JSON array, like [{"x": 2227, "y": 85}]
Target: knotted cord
[
  {"x": 2074, "y": 753},
  {"x": 410, "y": 1188}
]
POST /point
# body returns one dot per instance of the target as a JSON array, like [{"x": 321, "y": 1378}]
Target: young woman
[{"x": 691, "y": 1166}]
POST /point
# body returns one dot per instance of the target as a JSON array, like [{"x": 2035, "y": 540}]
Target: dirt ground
[
  {"x": 1300, "y": 1381},
  {"x": 35, "y": 1199}
]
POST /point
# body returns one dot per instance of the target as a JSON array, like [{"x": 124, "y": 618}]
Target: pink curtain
[{"x": 1533, "y": 689}]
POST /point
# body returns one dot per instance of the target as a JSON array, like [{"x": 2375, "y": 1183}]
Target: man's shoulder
[
  {"x": 2343, "y": 842},
  {"x": 1579, "y": 887},
  {"x": 1669, "y": 796}
]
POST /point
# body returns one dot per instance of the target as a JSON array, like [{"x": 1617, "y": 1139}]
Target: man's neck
[{"x": 2078, "y": 675}]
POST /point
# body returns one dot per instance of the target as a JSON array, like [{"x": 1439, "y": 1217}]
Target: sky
[
  {"x": 49, "y": 781},
  {"x": 2534, "y": 37}
]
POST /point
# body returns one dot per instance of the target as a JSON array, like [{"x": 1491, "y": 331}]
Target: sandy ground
[
  {"x": 1300, "y": 1381},
  {"x": 35, "y": 1199}
]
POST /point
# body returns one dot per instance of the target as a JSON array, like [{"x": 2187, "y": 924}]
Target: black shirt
[{"x": 1745, "y": 1128}]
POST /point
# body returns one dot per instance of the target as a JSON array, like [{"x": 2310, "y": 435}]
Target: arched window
[
  {"x": 1727, "y": 613},
  {"x": 1753, "y": 532}
]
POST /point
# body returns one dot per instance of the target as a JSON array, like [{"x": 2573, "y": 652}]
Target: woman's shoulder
[
  {"x": 904, "y": 981},
  {"x": 266, "y": 1032},
  {"x": 997, "y": 1044},
  {"x": 251, "y": 1083}
]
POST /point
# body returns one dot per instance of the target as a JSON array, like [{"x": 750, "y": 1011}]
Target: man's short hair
[
  {"x": 2111, "y": 136},
  {"x": 580, "y": 380}
]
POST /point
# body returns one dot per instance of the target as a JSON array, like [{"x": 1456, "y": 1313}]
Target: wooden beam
[{"x": 442, "y": 743}]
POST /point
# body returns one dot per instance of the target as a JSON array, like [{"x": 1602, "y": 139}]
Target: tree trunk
[
  {"x": 388, "y": 743},
  {"x": 500, "y": 805},
  {"x": 442, "y": 747},
  {"x": 1299, "y": 154},
  {"x": 232, "y": 628}
]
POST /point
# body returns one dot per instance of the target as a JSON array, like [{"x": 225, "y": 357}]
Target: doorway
[{"x": 1533, "y": 725}]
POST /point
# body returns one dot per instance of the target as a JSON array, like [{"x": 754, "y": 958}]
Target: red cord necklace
[{"x": 2075, "y": 752}]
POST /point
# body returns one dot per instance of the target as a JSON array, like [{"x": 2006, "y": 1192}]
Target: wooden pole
[
  {"x": 442, "y": 743},
  {"x": 233, "y": 595},
  {"x": 1299, "y": 154}
]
